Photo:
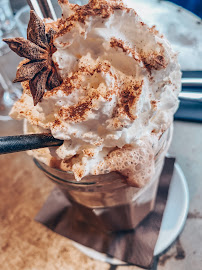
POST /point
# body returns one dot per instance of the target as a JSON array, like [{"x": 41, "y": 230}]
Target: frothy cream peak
[{"x": 120, "y": 85}]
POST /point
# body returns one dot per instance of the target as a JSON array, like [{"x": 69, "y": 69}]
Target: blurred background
[{"x": 193, "y": 5}]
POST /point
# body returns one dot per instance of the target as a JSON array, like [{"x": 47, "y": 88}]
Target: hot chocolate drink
[{"x": 104, "y": 82}]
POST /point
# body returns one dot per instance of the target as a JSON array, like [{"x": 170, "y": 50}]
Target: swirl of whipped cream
[{"x": 121, "y": 81}]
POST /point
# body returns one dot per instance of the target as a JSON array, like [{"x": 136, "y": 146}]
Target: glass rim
[
  {"x": 49, "y": 171},
  {"x": 79, "y": 183},
  {"x": 60, "y": 176}
]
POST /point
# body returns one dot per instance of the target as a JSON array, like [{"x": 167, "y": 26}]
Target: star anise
[{"x": 38, "y": 48}]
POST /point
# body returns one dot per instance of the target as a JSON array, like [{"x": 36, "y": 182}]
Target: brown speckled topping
[
  {"x": 154, "y": 104},
  {"x": 79, "y": 111},
  {"x": 76, "y": 113},
  {"x": 118, "y": 43},
  {"x": 151, "y": 61},
  {"x": 100, "y": 8},
  {"x": 154, "y": 61},
  {"x": 68, "y": 85},
  {"x": 88, "y": 152},
  {"x": 128, "y": 99}
]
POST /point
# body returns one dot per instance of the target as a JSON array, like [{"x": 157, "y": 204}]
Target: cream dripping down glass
[{"x": 109, "y": 88}]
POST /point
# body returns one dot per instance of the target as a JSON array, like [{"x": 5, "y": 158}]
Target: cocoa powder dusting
[
  {"x": 76, "y": 113},
  {"x": 153, "y": 104},
  {"x": 154, "y": 30},
  {"x": 100, "y": 8},
  {"x": 129, "y": 97},
  {"x": 118, "y": 43},
  {"x": 151, "y": 60},
  {"x": 57, "y": 123}
]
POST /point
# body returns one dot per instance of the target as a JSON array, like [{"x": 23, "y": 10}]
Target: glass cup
[
  {"x": 22, "y": 19},
  {"x": 9, "y": 92},
  {"x": 107, "y": 201}
]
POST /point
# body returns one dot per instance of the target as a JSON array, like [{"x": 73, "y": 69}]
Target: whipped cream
[{"x": 121, "y": 81}]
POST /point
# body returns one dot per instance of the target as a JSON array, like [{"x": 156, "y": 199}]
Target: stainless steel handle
[
  {"x": 195, "y": 82},
  {"x": 192, "y": 96},
  {"x": 43, "y": 8}
]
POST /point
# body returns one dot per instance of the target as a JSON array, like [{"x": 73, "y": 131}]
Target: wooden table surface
[{"x": 26, "y": 244}]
